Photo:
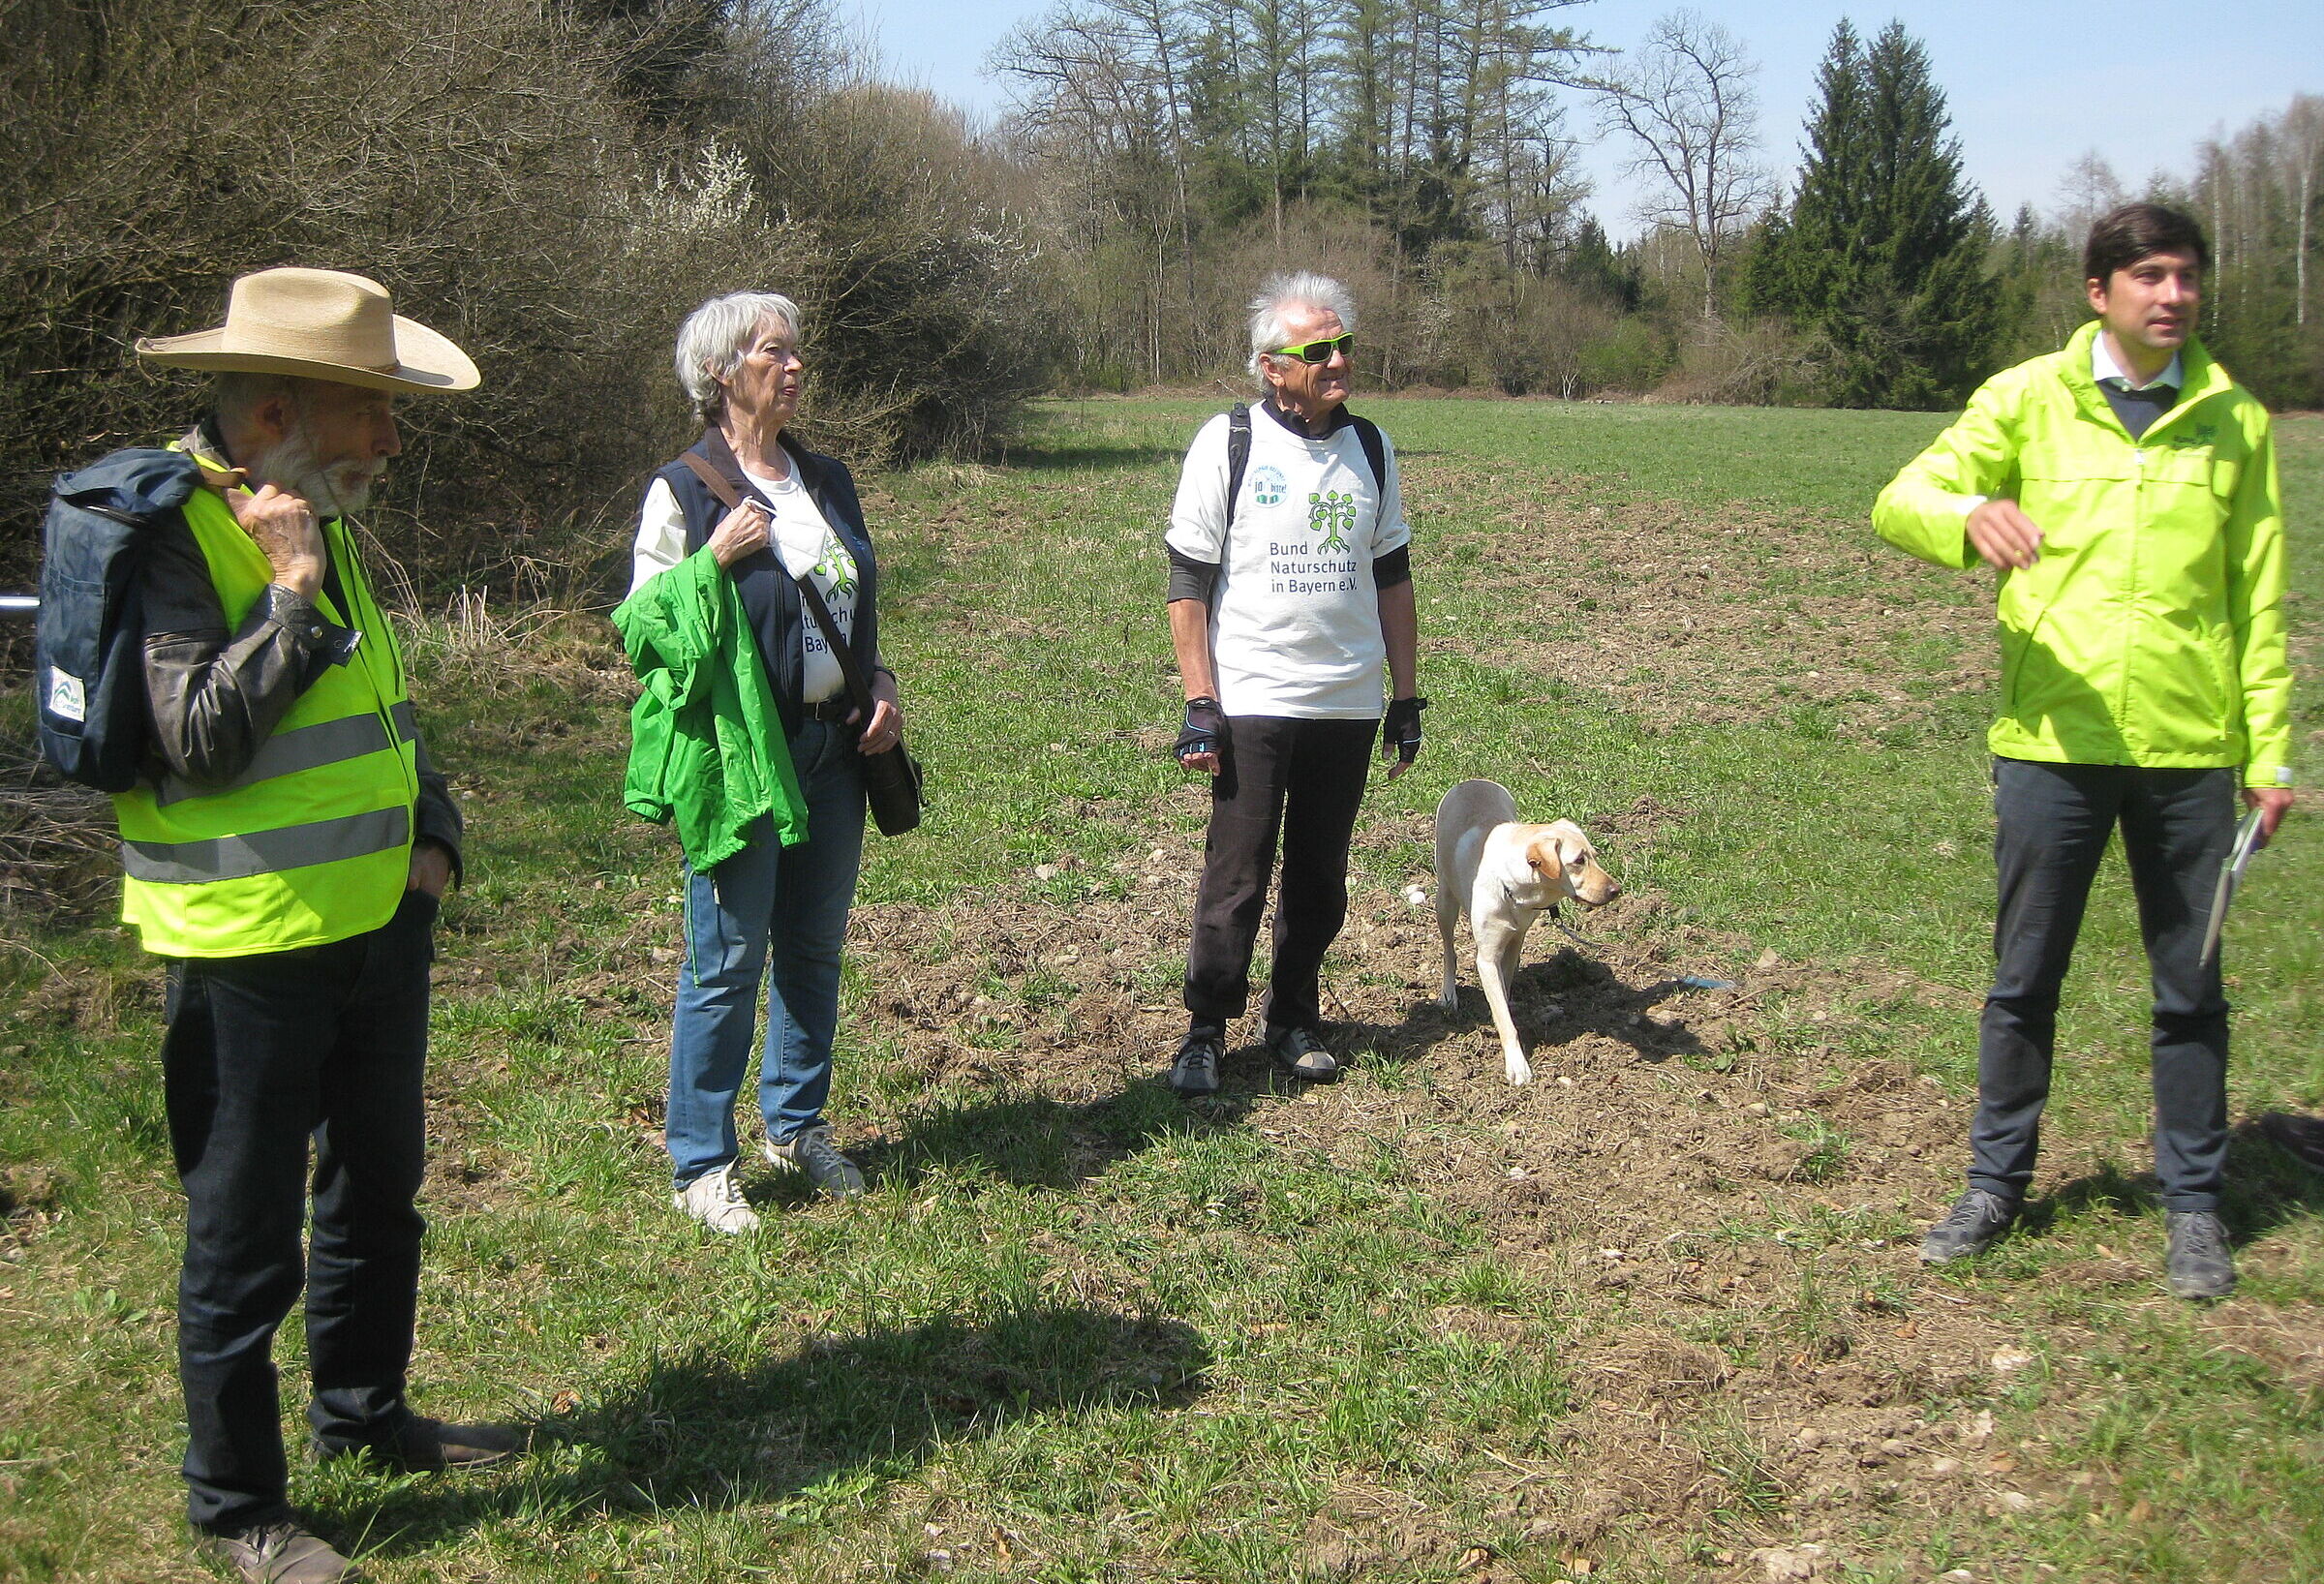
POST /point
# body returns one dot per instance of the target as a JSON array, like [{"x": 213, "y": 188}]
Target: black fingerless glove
[
  {"x": 1401, "y": 726},
  {"x": 1205, "y": 729}
]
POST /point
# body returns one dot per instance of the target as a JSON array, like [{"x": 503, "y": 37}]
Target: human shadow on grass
[
  {"x": 2267, "y": 1186},
  {"x": 807, "y": 1430},
  {"x": 1034, "y": 1142}
]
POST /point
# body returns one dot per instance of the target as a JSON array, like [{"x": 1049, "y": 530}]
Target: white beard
[{"x": 328, "y": 492}]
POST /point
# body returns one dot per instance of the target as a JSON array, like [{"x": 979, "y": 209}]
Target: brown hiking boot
[{"x": 279, "y": 1553}]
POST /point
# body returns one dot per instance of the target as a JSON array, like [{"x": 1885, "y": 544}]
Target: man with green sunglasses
[
  {"x": 1342, "y": 345},
  {"x": 1291, "y": 604}
]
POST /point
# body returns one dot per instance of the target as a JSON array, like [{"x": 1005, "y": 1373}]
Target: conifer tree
[{"x": 1882, "y": 252}]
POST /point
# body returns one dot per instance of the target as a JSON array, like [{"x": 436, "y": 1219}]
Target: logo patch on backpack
[{"x": 67, "y": 698}]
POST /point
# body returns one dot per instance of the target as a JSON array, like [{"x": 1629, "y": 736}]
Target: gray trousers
[{"x": 2052, "y": 826}]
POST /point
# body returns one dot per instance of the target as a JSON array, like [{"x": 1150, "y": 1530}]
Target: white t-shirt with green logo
[
  {"x": 810, "y": 549},
  {"x": 807, "y": 547},
  {"x": 1294, "y": 616}
]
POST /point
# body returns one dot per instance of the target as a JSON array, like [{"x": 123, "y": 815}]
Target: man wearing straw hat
[{"x": 285, "y": 852}]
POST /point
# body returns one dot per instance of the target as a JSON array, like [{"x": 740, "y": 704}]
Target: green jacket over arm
[
  {"x": 706, "y": 745},
  {"x": 2151, "y": 631}
]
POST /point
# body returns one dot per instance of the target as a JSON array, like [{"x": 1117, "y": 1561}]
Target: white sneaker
[
  {"x": 812, "y": 1153},
  {"x": 716, "y": 1199}
]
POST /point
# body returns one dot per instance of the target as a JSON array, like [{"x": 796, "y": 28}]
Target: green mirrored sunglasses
[{"x": 1318, "y": 352}]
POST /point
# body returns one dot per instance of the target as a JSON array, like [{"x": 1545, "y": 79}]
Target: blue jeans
[
  {"x": 790, "y": 903},
  {"x": 265, "y": 1055},
  {"x": 2052, "y": 823}
]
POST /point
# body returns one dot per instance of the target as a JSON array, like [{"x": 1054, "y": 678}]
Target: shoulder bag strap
[{"x": 859, "y": 693}]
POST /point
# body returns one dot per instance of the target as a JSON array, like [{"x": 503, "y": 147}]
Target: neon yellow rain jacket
[{"x": 2151, "y": 631}]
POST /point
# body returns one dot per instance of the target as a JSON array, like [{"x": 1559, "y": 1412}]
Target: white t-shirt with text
[
  {"x": 807, "y": 547},
  {"x": 1294, "y": 615}
]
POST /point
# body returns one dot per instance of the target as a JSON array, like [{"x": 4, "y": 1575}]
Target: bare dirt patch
[
  {"x": 1687, "y": 613},
  {"x": 1727, "y": 1201}
]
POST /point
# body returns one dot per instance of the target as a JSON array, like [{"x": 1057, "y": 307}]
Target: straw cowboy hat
[{"x": 322, "y": 324}]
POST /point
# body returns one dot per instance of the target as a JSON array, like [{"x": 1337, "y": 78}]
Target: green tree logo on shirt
[
  {"x": 1332, "y": 515},
  {"x": 836, "y": 567}
]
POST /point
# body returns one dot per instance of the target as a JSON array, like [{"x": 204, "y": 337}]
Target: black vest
[{"x": 769, "y": 598}]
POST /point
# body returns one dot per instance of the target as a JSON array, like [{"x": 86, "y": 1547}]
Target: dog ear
[
  {"x": 1575, "y": 844},
  {"x": 1543, "y": 859}
]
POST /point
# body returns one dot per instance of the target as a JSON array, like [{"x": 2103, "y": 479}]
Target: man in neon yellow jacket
[
  {"x": 285, "y": 852},
  {"x": 2124, "y": 490}
]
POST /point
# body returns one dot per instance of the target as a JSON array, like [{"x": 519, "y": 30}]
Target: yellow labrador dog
[{"x": 1502, "y": 874}]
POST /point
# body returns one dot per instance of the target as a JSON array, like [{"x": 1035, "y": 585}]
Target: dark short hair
[{"x": 2134, "y": 231}]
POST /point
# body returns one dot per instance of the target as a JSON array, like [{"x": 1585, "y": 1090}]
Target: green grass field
[{"x": 1657, "y": 1317}]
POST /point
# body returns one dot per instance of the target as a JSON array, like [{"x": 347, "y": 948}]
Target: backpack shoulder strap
[
  {"x": 1239, "y": 459},
  {"x": 1375, "y": 452}
]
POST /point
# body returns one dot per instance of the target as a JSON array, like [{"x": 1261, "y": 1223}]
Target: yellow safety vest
[{"x": 312, "y": 842}]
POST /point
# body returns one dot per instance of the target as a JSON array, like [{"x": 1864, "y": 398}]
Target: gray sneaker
[
  {"x": 2199, "y": 1264},
  {"x": 812, "y": 1153},
  {"x": 1194, "y": 1071},
  {"x": 1298, "y": 1052},
  {"x": 1973, "y": 1225},
  {"x": 716, "y": 1199},
  {"x": 279, "y": 1553}
]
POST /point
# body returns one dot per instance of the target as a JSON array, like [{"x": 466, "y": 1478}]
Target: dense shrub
[{"x": 552, "y": 185}]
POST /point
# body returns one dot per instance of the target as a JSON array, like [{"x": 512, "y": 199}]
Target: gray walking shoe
[
  {"x": 812, "y": 1153},
  {"x": 279, "y": 1553},
  {"x": 716, "y": 1199},
  {"x": 1298, "y": 1052},
  {"x": 1974, "y": 1224},
  {"x": 2199, "y": 1264},
  {"x": 1194, "y": 1072}
]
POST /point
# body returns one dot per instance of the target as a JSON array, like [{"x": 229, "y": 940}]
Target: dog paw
[
  {"x": 1449, "y": 1000},
  {"x": 1520, "y": 1070}
]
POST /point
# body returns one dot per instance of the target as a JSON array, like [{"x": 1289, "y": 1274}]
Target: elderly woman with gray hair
[{"x": 747, "y": 739}]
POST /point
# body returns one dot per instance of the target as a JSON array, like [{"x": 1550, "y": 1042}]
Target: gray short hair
[
  {"x": 237, "y": 393},
  {"x": 713, "y": 338},
  {"x": 1278, "y": 293}
]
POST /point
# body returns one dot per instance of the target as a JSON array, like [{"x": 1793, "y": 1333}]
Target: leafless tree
[
  {"x": 2302, "y": 148},
  {"x": 1686, "y": 100},
  {"x": 2087, "y": 189}
]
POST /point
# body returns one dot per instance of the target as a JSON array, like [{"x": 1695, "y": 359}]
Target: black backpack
[{"x": 89, "y": 662}]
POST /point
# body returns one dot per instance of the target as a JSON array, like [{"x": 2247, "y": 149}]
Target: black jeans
[
  {"x": 1300, "y": 781},
  {"x": 262, "y": 1054},
  {"x": 2052, "y": 823}
]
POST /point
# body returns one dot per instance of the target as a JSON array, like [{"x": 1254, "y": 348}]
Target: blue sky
[{"x": 2033, "y": 85}]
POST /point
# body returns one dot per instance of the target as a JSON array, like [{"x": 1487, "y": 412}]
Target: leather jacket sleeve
[
  {"x": 214, "y": 695},
  {"x": 438, "y": 817}
]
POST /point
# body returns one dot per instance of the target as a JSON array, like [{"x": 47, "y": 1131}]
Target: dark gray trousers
[
  {"x": 1300, "y": 781},
  {"x": 2052, "y": 826}
]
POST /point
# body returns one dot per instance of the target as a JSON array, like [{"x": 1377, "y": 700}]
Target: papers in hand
[{"x": 2231, "y": 876}]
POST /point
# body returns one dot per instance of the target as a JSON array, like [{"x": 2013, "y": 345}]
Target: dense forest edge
[{"x": 556, "y": 184}]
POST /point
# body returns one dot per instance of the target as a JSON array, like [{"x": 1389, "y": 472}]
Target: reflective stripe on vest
[
  {"x": 303, "y": 748},
  {"x": 263, "y": 852},
  {"x": 309, "y": 843}
]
